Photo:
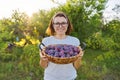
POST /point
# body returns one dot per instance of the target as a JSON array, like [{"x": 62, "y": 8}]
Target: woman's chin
[{"x": 61, "y": 33}]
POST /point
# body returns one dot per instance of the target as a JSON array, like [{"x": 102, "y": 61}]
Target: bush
[
  {"x": 95, "y": 40},
  {"x": 116, "y": 38},
  {"x": 107, "y": 44},
  {"x": 7, "y": 57},
  {"x": 100, "y": 65}
]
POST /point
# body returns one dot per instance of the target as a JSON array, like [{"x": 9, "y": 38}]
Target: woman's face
[{"x": 60, "y": 25}]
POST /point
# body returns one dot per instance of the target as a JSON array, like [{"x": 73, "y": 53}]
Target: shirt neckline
[{"x": 60, "y": 39}]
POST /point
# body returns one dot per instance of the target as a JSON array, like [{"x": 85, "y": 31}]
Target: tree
[
  {"x": 86, "y": 16},
  {"x": 39, "y": 23}
]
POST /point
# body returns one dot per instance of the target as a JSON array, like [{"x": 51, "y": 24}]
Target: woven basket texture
[{"x": 65, "y": 60}]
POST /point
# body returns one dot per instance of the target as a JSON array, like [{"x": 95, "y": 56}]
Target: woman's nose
[{"x": 60, "y": 26}]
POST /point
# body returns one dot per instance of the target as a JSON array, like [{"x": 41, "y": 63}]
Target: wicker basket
[{"x": 59, "y": 60}]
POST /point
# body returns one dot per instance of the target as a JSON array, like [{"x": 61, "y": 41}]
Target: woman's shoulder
[
  {"x": 74, "y": 38},
  {"x": 47, "y": 38}
]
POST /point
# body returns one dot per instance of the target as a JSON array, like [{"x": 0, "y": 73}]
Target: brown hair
[{"x": 50, "y": 30}]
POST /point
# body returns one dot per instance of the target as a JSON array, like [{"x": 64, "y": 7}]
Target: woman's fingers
[
  {"x": 42, "y": 52},
  {"x": 44, "y": 58},
  {"x": 81, "y": 53}
]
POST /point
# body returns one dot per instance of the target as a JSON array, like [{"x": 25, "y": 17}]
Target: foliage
[
  {"x": 116, "y": 39},
  {"x": 39, "y": 23},
  {"x": 15, "y": 26},
  {"x": 111, "y": 27},
  {"x": 95, "y": 41},
  {"x": 112, "y": 30},
  {"x": 23, "y": 62},
  {"x": 5, "y": 31},
  {"x": 99, "y": 62},
  {"x": 100, "y": 65},
  {"x": 84, "y": 15}
]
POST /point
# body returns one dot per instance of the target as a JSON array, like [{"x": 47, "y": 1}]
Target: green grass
[
  {"x": 88, "y": 58},
  {"x": 96, "y": 65},
  {"x": 100, "y": 65}
]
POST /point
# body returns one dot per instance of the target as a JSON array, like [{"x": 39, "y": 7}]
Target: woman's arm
[
  {"x": 43, "y": 60},
  {"x": 77, "y": 63}
]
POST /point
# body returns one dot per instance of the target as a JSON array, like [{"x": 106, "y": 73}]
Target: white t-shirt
[{"x": 60, "y": 71}]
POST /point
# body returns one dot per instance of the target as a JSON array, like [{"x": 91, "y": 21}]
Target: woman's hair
[{"x": 50, "y": 30}]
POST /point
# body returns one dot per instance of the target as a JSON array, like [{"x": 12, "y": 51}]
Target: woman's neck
[{"x": 60, "y": 36}]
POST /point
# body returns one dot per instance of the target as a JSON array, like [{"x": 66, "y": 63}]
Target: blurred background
[{"x": 23, "y": 24}]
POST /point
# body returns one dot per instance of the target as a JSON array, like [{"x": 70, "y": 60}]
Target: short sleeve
[{"x": 43, "y": 43}]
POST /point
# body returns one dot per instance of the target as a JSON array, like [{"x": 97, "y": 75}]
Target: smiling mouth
[{"x": 61, "y": 30}]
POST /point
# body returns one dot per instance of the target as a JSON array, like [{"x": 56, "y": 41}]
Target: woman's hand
[
  {"x": 77, "y": 63},
  {"x": 43, "y": 60}
]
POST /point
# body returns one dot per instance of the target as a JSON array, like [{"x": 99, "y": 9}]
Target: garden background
[{"x": 21, "y": 34}]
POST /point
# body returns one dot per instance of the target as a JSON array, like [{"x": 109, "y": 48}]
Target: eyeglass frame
[{"x": 58, "y": 24}]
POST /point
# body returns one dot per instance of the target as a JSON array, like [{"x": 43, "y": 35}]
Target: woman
[{"x": 59, "y": 30}]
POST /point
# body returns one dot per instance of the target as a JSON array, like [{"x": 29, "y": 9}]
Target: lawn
[{"x": 23, "y": 64}]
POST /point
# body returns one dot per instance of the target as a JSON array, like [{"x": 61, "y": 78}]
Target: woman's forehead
[{"x": 59, "y": 19}]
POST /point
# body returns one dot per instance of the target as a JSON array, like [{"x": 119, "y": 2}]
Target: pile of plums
[{"x": 62, "y": 50}]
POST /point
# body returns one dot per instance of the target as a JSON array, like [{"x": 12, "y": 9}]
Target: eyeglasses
[{"x": 64, "y": 24}]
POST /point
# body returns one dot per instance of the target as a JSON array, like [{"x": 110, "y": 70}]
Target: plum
[{"x": 62, "y": 50}]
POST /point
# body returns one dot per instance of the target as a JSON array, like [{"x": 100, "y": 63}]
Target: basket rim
[{"x": 78, "y": 55}]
